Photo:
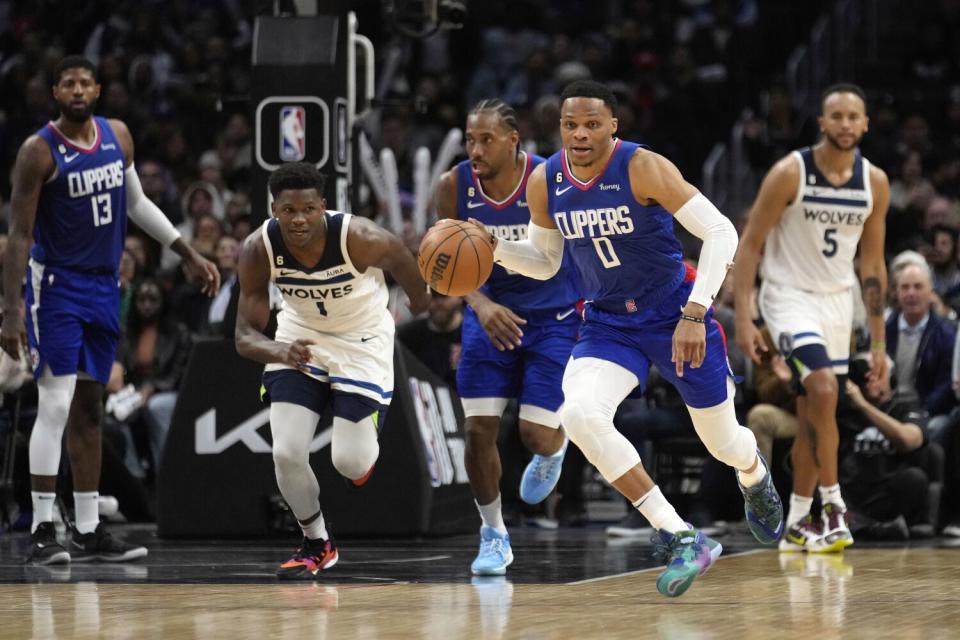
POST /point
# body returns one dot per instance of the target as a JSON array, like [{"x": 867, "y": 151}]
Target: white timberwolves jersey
[
  {"x": 331, "y": 297},
  {"x": 814, "y": 243}
]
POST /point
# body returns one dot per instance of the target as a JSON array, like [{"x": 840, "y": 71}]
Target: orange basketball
[{"x": 456, "y": 257}]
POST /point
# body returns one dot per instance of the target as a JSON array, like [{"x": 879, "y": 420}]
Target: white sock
[
  {"x": 832, "y": 495},
  {"x": 660, "y": 513},
  {"x": 754, "y": 477},
  {"x": 799, "y": 508},
  {"x": 316, "y": 530},
  {"x": 42, "y": 508},
  {"x": 491, "y": 515},
  {"x": 87, "y": 510}
]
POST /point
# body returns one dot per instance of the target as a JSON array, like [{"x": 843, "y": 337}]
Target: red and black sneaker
[{"x": 309, "y": 560}]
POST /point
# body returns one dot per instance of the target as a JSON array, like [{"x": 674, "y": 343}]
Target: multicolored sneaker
[
  {"x": 763, "y": 507},
  {"x": 836, "y": 530},
  {"x": 495, "y": 553},
  {"x": 100, "y": 545},
  {"x": 44, "y": 548},
  {"x": 687, "y": 554},
  {"x": 309, "y": 560},
  {"x": 541, "y": 475},
  {"x": 804, "y": 535}
]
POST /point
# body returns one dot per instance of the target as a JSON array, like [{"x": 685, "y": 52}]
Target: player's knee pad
[
  {"x": 723, "y": 436},
  {"x": 354, "y": 447},
  {"x": 54, "y": 395},
  {"x": 593, "y": 432}
]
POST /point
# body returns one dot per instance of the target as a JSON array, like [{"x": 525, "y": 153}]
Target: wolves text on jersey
[
  {"x": 826, "y": 216},
  {"x": 83, "y": 183},
  {"x": 592, "y": 223},
  {"x": 314, "y": 293}
]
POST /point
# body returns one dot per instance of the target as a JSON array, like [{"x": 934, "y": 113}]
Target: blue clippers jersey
[
  {"x": 82, "y": 213},
  {"x": 509, "y": 220},
  {"x": 626, "y": 254}
]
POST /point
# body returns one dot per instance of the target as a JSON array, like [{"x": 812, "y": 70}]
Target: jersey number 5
[
  {"x": 606, "y": 253},
  {"x": 102, "y": 209},
  {"x": 831, "y": 243}
]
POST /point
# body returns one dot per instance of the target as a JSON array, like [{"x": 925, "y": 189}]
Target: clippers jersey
[
  {"x": 332, "y": 296},
  {"x": 814, "y": 243},
  {"x": 81, "y": 217},
  {"x": 509, "y": 220},
  {"x": 626, "y": 253}
]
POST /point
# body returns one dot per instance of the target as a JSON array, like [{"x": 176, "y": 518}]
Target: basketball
[{"x": 455, "y": 257}]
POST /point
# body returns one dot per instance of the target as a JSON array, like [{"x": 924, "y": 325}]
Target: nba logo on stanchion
[{"x": 293, "y": 134}]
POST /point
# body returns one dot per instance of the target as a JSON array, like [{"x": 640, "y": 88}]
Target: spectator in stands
[
  {"x": 943, "y": 259},
  {"x": 435, "y": 338},
  {"x": 921, "y": 344},
  {"x": 892, "y": 475},
  {"x": 153, "y": 352}
]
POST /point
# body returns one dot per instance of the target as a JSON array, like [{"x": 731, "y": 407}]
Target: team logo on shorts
[{"x": 785, "y": 342}]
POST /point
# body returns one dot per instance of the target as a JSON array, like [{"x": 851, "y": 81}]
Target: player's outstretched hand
[
  {"x": 298, "y": 354},
  {"x": 501, "y": 324},
  {"x": 750, "y": 341},
  {"x": 202, "y": 273},
  {"x": 13, "y": 335}
]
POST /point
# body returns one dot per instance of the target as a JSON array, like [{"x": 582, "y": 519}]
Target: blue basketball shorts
[
  {"x": 637, "y": 340},
  {"x": 73, "y": 321},
  {"x": 531, "y": 373}
]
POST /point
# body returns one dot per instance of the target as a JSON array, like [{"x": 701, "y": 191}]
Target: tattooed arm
[{"x": 873, "y": 274}]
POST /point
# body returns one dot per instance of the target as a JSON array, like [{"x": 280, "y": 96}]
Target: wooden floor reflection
[{"x": 868, "y": 593}]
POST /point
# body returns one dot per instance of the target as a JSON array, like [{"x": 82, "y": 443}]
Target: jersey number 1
[{"x": 102, "y": 209}]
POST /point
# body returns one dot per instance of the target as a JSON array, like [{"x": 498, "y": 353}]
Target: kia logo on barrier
[
  {"x": 293, "y": 133},
  {"x": 206, "y": 441}
]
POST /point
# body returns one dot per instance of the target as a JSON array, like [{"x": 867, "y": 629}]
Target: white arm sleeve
[
  {"x": 146, "y": 214},
  {"x": 536, "y": 257},
  {"x": 702, "y": 219}
]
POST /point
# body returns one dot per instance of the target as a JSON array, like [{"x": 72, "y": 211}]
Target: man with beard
[
  {"x": 74, "y": 185},
  {"x": 814, "y": 206}
]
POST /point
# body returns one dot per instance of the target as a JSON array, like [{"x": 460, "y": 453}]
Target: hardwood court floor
[{"x": 563, "y": 584}]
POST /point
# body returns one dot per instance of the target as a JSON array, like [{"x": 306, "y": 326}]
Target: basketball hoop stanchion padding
[
  {"x": 216, "y": 476},
  {"x": 299, "y": 100}
]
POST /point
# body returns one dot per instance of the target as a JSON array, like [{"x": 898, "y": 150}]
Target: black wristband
[{"x": 691, "y": 318}]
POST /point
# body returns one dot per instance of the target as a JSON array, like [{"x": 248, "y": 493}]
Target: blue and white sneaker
[
  {"x": 541, "y": 475},
  {"x": 687, "y": 554},
  {"x": 495, "y": 553},
  {"x": 763, "y": 508}
]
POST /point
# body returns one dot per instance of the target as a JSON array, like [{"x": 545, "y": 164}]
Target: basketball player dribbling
[
  {"x": 611, "y": 205},
  {"x": 813, "y": 207},
  {"x": 334, "y": 341},
  {"x": 517, "y": 332}
]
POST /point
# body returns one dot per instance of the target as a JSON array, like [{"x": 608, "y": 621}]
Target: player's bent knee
[
  {"x": 354, "y": 463},
  {"x": 821, "y": 386}
]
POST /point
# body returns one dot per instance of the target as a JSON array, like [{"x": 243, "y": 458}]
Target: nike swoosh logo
[
  {"x": 521, "y": 203},
  {"x": 108, "y": 146},
  {"x": 367, "y": 339},
  {"x": 285, "y": 272},
  {"x": 473, "y": 205},
  {"x": 69, "y": 159},
  {"x": 560, "y": 191},
  {"x": 563, "y": 315}
]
